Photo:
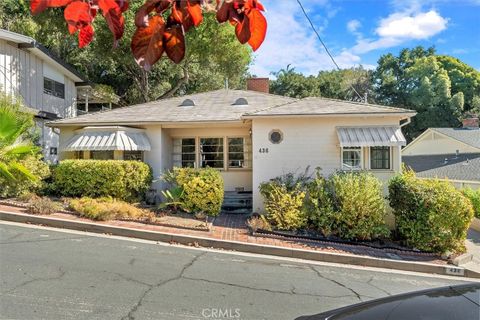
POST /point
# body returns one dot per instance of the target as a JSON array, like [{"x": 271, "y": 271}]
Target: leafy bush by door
[
  {"x": 126, "y": 180},
  {"x": 431, "y": 215},
  {"x": 197, "y": 190}
]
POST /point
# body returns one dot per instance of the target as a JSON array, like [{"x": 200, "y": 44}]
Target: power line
[{"x": 325, "y": 46}]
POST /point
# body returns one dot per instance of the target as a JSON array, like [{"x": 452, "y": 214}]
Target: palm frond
[
  {"x": 20, "y": 149},
  {"x": 22, "y": 171},
  {"x": 5, "y": 172}
]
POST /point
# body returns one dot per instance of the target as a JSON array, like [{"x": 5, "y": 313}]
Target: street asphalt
[{"x": 48, "y": 274}]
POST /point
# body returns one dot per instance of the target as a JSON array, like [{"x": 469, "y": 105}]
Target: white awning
[
  {"x": 108, "y": 138},
  {"x": 370, "y": 136}
]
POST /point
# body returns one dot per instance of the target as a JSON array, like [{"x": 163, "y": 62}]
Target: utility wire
[{"x": 325, "y": 46}]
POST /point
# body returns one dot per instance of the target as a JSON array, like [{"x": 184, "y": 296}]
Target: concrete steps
[{"x": 237, "y": 202}]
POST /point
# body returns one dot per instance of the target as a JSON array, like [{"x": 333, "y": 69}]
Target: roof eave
[{"x": 305, "y": 115}]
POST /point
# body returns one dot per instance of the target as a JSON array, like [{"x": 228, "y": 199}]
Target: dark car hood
[{"x": 447, "y": 303}]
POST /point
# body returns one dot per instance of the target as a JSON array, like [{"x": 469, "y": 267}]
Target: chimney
[
  {"x": 258, "y": 84},
  {"x": 470, "y": 123}
]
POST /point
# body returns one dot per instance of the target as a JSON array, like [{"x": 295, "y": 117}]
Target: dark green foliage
[
  {"x": 126, "y": 180},
  {"x": 474, "y": 197},
  {"x": 431, "y": 215},
  {"x": 347, "y": 205}
]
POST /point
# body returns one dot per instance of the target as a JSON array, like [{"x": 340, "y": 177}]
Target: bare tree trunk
[{"x": 174, "y": 89}]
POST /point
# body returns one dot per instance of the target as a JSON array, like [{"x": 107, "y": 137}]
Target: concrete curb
[{"x": 241, "y": 246}]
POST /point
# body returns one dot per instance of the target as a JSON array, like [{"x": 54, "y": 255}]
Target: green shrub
[
  {"x": 359, "y": 206},
  {"x": 42, "y": 205},
  {"x": 318, "y": 205},
  {"x": 474, "y": 197},
  {"x": 283, "y": 204},
  {"x": 22, "y": 186},
  {"x": 107, "y": 209},
  {"x": 431, "y": 215},
  {"x": 126, "y": 180},
  {"x": 201, "y": 190}
]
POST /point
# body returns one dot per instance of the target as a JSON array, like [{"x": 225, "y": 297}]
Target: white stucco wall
[
  {"x": 432, "y": 143},
  {"x": 307, "y": 142}
]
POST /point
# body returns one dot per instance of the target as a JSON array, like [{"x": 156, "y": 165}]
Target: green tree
[
  {"x": 14, "y": 126},
  {"x": 440, "y": 88},
  {"x": 335, "y": 84},
  {"x": 213, "y": 54}
]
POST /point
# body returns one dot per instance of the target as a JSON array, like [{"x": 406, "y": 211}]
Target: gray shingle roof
[
  {"x": 464, "y": 167},
  {"x": 323, "y": 106},
  {"x": 468, "y": 136},
  {"x": 209, "y": 106},
  {"x": 219, "y": 106}
]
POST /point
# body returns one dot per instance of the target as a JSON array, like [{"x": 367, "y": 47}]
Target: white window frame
[
  {"x": 195, "y": 162},
  {"x": 247, "y": 154},
  {"x": 198, "y": 160},
  {"x": 370, "y": 158},
  {"x": 342, "y": 149}
]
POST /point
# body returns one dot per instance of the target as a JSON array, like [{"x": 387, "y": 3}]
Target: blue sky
[{"x": 360, "y": 31}]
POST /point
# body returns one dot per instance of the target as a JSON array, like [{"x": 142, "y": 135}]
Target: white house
[
  {"x": 46, "y": 84},
  {"x": 249, "y": 136},
  {"x": 447, "y": 153}
]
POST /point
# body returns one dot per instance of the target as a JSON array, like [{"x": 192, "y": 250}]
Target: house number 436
[{"x": 263, "y": 150}]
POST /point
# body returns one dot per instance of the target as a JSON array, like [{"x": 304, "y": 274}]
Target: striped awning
[
  {"x": 108, "y": 138},
  {"x": 370, "y": 136}
]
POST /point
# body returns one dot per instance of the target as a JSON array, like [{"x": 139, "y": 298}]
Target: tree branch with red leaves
[{"x": 161, "y": 24}]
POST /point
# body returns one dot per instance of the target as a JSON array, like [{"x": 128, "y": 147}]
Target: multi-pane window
[
  {"x": 101, "y": 155},
  {"x": 133, "y": 155},
  {"x": 54, "y": 88},
  {"x": 380, "y": 158},
  {"x": 78, "y": 155},
  {"x": 352, "y": 158},
  {"x": 211, "y": 152},
  {"x": 184, "y": 152},
  {"x": 236, "y": 153}
]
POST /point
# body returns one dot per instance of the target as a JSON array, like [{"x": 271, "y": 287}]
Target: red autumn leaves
[{"x": 161, "y": 24}]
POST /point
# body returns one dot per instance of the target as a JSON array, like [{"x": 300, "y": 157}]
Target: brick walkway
[{"x": 232, "y": 227}]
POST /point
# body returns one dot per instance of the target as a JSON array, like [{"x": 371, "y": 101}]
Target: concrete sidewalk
[{"x": 473, "y": 248}]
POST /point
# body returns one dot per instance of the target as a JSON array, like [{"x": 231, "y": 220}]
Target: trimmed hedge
[
  {"x": 431, "y": 215},
  {"x": 125, "y": 180},
  {"x": 359, "y": 206},
  {"x": 202, "y": 189}
]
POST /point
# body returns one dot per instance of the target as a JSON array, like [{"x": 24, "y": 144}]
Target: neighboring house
[
  {"x": 46, "y": 84},
  {"x": 447, "y": 153},
  {"x": 249, "y": 136}
]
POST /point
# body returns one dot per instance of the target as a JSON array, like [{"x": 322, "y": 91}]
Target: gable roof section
[
  {"x": 323, "y": 107},
  {"x": 223, "y": 105},
  {"x": 467, "y": 136},
  {"x": 30, "y": 44},
  {"x": 209, "y": 107},
  {"x": 465, "y": 167}
]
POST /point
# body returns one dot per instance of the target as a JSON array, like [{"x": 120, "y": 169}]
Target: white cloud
[
  {"x": 401, "y": 27},
  {"x": 419, "y": 26},
  {"x": 291, "y": 41},
  {"x": 353, "y": 25}
]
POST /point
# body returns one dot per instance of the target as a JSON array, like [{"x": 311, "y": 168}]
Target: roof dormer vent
[
  {"x": 187, "y": 103},
  {"x": 241, "y": 102}
]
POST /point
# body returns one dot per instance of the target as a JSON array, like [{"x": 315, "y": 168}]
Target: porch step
[{"x": 237, "y": 202}]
